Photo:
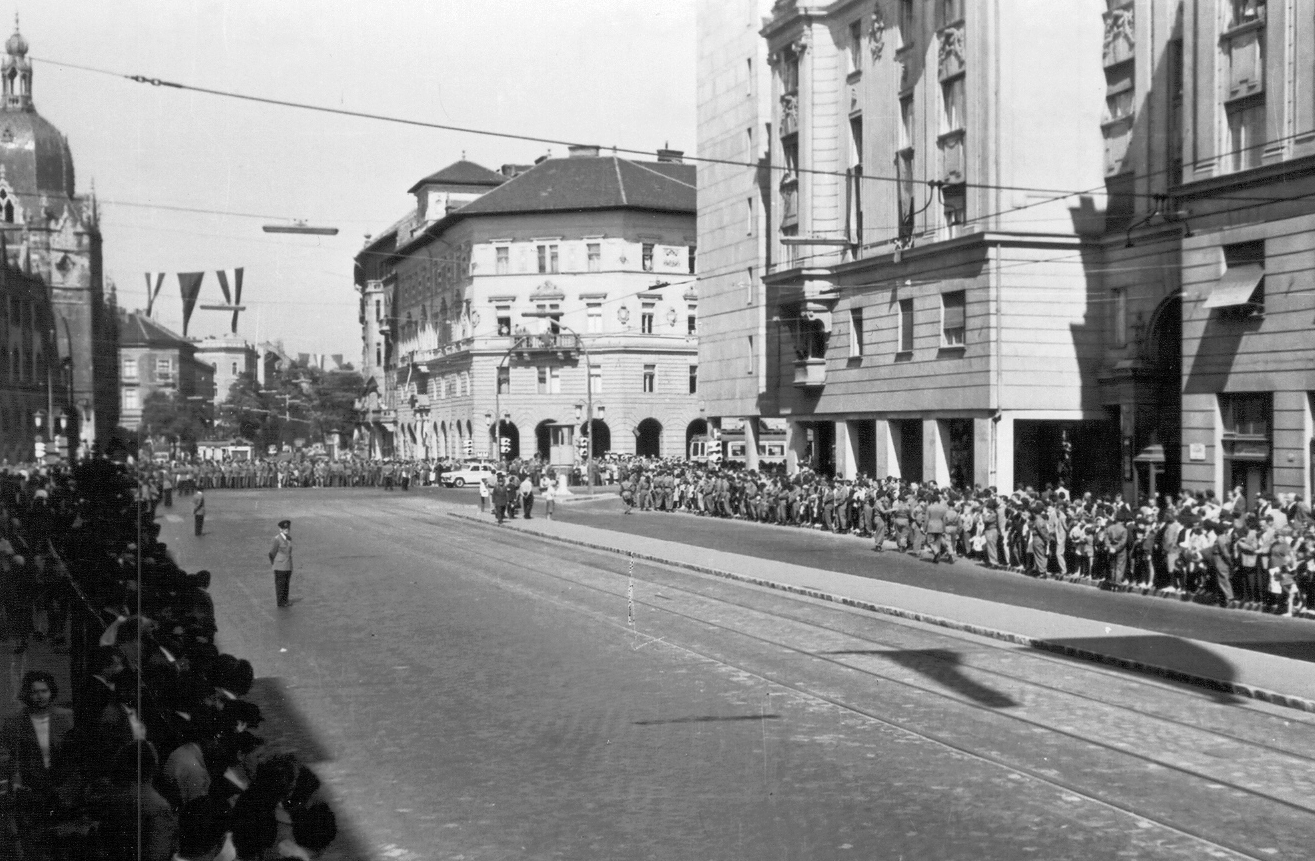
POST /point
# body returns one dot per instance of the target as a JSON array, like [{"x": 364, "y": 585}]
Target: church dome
[{"x": 34, "y": 156}]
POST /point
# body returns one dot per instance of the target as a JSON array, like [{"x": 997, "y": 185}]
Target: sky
[{"x": 611, "y": 72}]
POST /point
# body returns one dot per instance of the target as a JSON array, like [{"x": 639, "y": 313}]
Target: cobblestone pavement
[{"x": 469, "y": 692}]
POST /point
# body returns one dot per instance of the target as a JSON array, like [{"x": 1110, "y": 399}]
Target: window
[
  {"x": 952, "y": 105},
  {"x": 748, "y": 140},
  {"x": 1244, "y": 12},
  {"x": 235, "y": 369},
  {"x": 906, "y": 21},
  {"x": 955, "y": 198},
  {"x": 550, "y": 323},
  {"x": 163, "y": 365},
  {"x": 504, "y": 319},
  {"x": 130, "y": 369},
  {"x": 950, "y": 11},
  {"x": 953, "y": 312},
  {"x": 547, "y": 259},
  {"x": 693, "y": 379},
  {"x": 550, "y": 381},
  {"x": 130, "y": 401},
  {"x": 749, "y": 292},
  {"x": 905, "y": 333},
  {"x": 693, "y": 257},
  {"x": 855, "y": 333},
  {"x": 1242, "y": 286},
  {"x": 378, "y": 354},
  {"x": 1246, "y": 414},
  {"x": 504, "y": 381},
  {"x": 856, "y": 141},
  {"x": 594, "y": 317},
  {"x": 790, "y": 72},
  {"x": 1246, "y": 132},
  {"x": 751, "y": 363},
  {"x": 595, "y": 379},
  {"x": 647, "y": 253},
  {"x": 906, "y": 122},
  {"x": 855, "y": 46},
  {"x": 748, "y": 74},
  {"x": 503, "y": 265},
  {"x": 646, "y": 319},
  {"x": 594, "y": 252},
  {"x": 650, "y": 379},
  {"x": 1120, "y": 296},
  {"x": 691, "y": 319},
  {"x": 1119, "y": 93},
  {"x": 748, "y": 216},
  {"x": 378, "y": 310}
]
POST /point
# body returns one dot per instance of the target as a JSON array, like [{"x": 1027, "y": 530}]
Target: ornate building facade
[
  {"x": 52, "y": 233},
  {"x": 600, "y": 249}
]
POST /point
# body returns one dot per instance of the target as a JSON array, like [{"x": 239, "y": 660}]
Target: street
[{"x": 471, "y": 692}]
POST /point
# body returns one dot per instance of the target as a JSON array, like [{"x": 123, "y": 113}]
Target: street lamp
[
  {"x": 39, "y": 448},
  {"x": 589, "y": 392}
]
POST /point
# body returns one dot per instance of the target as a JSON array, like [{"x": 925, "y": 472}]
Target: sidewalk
[{"x": 1221, "y": 668}]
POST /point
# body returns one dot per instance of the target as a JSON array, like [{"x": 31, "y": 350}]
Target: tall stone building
[
  {"x": 986, "y": 271},
  {"x": 52, "y": 233}
]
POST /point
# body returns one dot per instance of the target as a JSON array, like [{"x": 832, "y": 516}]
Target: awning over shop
[{"x": 1235, "y": 287}]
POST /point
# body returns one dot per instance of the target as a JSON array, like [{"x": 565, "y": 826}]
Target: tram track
[{"x": 470, "y": 541}]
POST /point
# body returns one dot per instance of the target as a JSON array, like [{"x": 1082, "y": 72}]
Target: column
[
  {"x": 935, "y": 465},
  {"x": 887, "y": 464},
  {"x": 1002, "y": 455},
  {"x": 750, "y": 424},
  {"x": 796, "y": 445},
  {"x": 982, "y": 431},
  {"x": 846, "y": 462}
]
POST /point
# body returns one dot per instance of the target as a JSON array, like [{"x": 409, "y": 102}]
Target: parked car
[{"x": 469, "y": 473}]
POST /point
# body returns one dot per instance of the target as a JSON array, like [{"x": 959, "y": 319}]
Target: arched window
[{"x": 6, "y": 205}]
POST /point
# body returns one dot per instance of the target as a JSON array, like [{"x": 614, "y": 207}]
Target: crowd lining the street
[
  {"x": 1256, "y": 554},
  {"x": 158, "y": 758}
]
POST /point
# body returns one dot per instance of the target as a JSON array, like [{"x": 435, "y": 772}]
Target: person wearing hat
[{"x": 280, "y": 557}]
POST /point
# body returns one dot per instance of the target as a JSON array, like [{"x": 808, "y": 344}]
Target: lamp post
[{"x": 589, "y": 392}]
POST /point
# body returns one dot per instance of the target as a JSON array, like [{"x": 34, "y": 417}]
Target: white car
[{"x": 469, "y": 473}]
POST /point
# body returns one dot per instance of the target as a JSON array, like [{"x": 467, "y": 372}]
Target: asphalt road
[{"x": 467, "y": 693}]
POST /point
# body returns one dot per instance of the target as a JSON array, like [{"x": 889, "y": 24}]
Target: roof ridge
[{"x": 620, "y": 183}]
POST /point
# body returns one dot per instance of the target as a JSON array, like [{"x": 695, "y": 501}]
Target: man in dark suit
[{"x": 35, "y": 741}]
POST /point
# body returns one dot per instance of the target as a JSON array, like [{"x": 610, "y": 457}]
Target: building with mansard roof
[
  {"x": 601, "y": 250},
  {"x": 53, "y": 233}
]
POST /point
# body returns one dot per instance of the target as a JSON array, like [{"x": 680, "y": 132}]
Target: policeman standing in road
[{"x": 280, "y": 557}]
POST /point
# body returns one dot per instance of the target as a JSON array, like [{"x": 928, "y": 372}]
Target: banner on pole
[
  {"x": 153, "y": 290},
  {"x": 189, "y": 284}
]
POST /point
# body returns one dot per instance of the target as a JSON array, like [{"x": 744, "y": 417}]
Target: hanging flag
[
  {"x": 189, "y": 284},
  {"x": 234, "y": 276},
  {"x": 152, "y": 292}
]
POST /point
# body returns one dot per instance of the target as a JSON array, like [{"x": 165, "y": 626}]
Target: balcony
[
  {"x": 563, "y": 344},
  {"x": 809, "y": 373},
  {"x": 1245, "y": 56}
]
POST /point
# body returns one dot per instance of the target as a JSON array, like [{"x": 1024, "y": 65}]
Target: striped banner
[
  {"x": 153, "y": 291},
  {"x": 233, "y": 276}
]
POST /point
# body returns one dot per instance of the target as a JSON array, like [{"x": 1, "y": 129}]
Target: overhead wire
[{"x": 757, "y": 165}]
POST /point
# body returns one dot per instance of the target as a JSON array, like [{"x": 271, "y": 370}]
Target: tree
[
  {"x": 173, "y": 416},
  {"x": 298, "y": 402}
]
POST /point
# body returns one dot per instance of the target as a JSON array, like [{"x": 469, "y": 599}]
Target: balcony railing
[
  {"x": 548, "y": 342},
  {"x": 809, "y": 373}
]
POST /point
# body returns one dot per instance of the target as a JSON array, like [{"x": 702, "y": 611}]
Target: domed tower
[{"x": 53, "y": 233}]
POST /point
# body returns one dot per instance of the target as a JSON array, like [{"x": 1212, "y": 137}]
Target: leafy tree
[
  {"x": 170, "y": 415},
  {"x": 298, "y": 402}
]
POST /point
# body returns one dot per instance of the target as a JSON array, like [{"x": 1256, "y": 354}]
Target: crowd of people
[
  {"x": 1254, "y": 553},
  {"x": 158, "y": 757}
]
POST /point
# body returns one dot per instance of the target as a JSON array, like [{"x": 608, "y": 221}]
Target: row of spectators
[
  {"x": 159, "y": 756},
  {"x": 1257, "y": 554}
]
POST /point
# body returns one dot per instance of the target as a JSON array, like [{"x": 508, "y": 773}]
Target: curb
[{"x": 1235, "y": 688}]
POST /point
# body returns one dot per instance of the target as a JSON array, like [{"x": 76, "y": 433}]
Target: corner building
[
  {"x": 928, "y": 313},
  {"x": 600, "y": 248}
]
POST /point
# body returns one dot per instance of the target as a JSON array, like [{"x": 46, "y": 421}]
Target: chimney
[
  {"x": 583, "y": 150},
  {"x": 541, "y": 159},
  {"x": 674, "y": 156}
]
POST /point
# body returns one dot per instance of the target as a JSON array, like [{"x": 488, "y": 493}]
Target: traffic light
[
  {"x": 504, "y": 444},
  {"x": 582, "y": 445},
  {"x": 40, "y": 449},
  {"x": 470, "y": 447}
]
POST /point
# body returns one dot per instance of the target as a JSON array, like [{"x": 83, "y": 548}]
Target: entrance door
[{"x": 1251, "y": 476}]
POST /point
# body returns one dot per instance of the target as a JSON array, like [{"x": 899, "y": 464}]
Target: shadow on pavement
[
  {"x": 941, "y": 666},
  {"x": 706, "y": 719},
  {"x": 286, "y": 729},
  {"x": 1177, "y": 660}
]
